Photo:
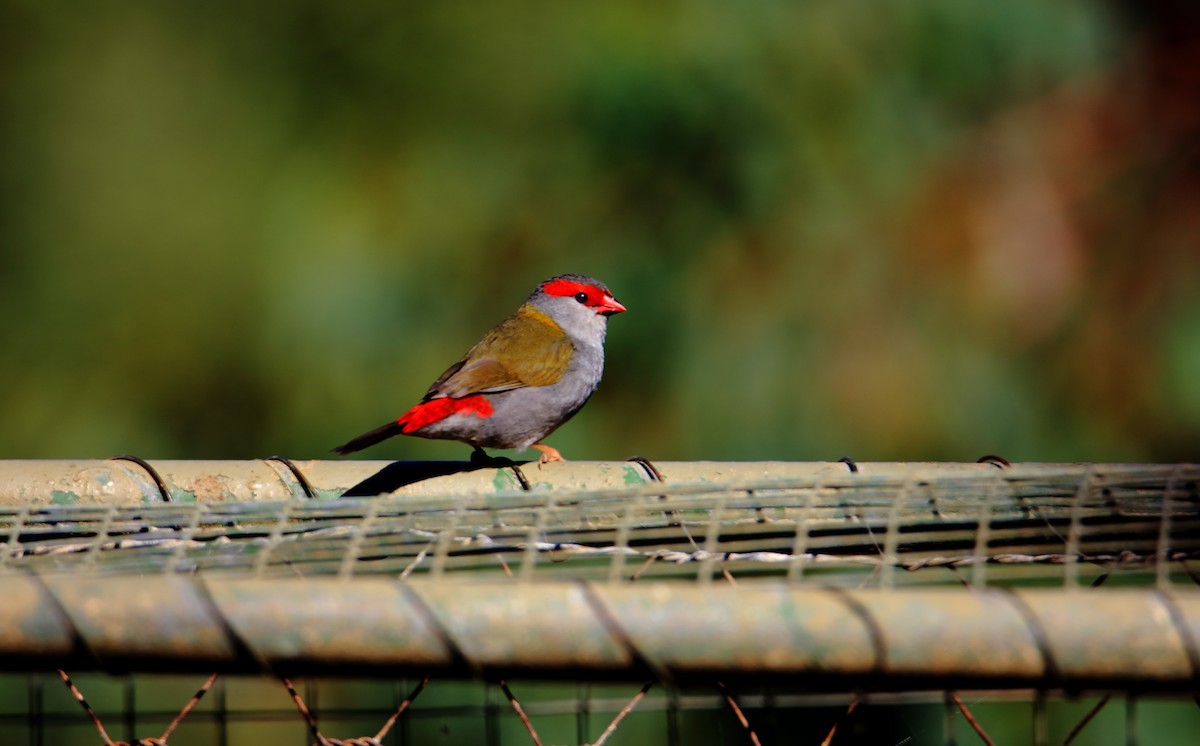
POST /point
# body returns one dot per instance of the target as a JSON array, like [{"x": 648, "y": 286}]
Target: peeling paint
[
  {"x": 632, "y": 477},
  {"x": 60, "y": 497},
  {"x": 504, "y": 481}
]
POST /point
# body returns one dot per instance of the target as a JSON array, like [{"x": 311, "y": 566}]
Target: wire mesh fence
[
  {"x": 826, "y": 605},
  {"x": 996, "y": 523},
  {"x": 239, "y": 710}
]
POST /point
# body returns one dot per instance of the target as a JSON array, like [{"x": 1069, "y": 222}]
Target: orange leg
[{"x": 548, "y": 454}]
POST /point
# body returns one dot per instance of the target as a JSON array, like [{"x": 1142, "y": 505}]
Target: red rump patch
[
  {"x": 570, "y": 287},
  {"x": 435, "y": 410}
]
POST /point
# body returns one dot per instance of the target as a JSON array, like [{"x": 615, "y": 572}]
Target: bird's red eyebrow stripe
[
  {"x": 569, "y": 287},
  {"x": 435, "y": 410}
]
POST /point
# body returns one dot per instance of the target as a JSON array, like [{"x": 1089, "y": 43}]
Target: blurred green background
[{"x": 924, "y": 230}]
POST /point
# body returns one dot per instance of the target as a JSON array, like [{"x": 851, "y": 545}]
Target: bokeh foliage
[{"x": 925, "y": 230}]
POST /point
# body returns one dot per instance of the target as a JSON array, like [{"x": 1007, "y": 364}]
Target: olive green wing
[{"x": 526, "y": 349}]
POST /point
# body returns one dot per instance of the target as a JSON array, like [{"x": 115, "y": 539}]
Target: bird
[{"x": 527, "y": 376}]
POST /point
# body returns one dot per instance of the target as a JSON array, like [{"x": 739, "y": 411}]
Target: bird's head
[
  {"x": 585, "y": 291},
  {"x": 576, "y": 302}
]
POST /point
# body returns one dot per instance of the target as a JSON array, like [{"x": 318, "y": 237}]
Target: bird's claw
[{"x": 549, "y": 454}]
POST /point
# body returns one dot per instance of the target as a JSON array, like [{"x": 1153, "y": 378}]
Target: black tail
[{"x": 366, "y": 440}]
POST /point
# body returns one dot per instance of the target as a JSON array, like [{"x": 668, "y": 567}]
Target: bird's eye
[{"x": 581, "y": 297}]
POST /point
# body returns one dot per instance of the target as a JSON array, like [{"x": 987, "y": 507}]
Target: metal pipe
[
  {"x": 126, "y": 479},
  {"x": 804, "y": 637}
]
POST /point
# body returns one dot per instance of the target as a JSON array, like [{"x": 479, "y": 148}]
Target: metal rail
[
  {"x": 892, "y": 577},
  {"x": 126, "y": 479},
  {"x": 811, "y": 638}
]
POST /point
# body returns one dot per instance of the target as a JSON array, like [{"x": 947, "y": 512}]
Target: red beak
[{"x": 609, "y": 305}]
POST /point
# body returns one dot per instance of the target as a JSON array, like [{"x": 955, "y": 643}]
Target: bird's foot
[
  {"x": 479, "y": 457},
  {"x": 549, "y": 454}
]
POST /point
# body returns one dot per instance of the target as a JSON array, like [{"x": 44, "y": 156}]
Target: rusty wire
[{"x": 953, "y": 701}]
